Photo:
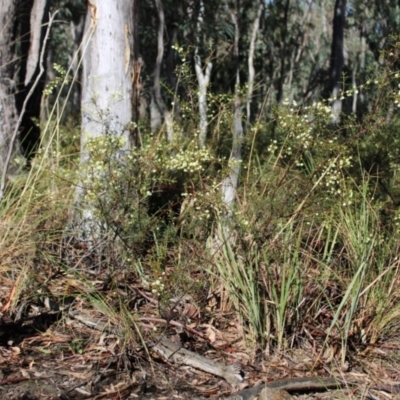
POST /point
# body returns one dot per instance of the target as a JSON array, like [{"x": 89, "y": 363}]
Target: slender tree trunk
[
  {"x": 76, "y": 29},
  {"x": 290, "y": 77},
  {"x": 76, "y": 34},
  {"x": 354, "y": 85},
  {"x": 25, "y": 22},
  {"x": 324, "y": 19},
  {"x": 136, "y": 78},
  {"x": 167, "y": 115},
  {"x": 230, "y": 183},
  {"x": 8, "y": 110},
  {"x": 363, "y": 50},
  {"x": 203, "y": 79},
  {"x": 337, "y": 58},
  {"x": 155, "y": 115},
  {"x": 107, "y": 88},
  {"x": 281, "y": 81},
  {"x": 33, "y": 16},
  {"x": 250, "y": 82}
]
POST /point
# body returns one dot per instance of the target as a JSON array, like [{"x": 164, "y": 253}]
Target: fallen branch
[
  {"x": 171, "y": 351},
  {"x": 176, "y": 353}
]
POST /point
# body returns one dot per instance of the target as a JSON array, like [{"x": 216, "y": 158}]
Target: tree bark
[
  {"x": 159, "y": 102},
  {"x": 203, "y": 79},
  {"x": 281, "y": 81},
  {"x": 77, "y": 30},
  {"x": 230, "y": 183},
  {"x": 8, "y": 109},
  {"x": 136, "y": 78},
  {"x": 33, "y": 16},
  {"x": 107, "y": 86},
  {"x": 337, "y": 57},
  {"x": 250, "y": 81},
  {"x": 23, "y": 22}
]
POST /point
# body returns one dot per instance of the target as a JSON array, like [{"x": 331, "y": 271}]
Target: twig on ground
[{"x": 10, "y": 297}]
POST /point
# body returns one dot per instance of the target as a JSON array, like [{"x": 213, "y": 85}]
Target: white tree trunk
[
  {"x": 230, "y": 183},
  {"x": 107, "y": 67},
  {"x": 354, "y": 86},
  {"x": 155, "y": 116},
  {"x": 336, "y": 105},
  {"x": 204, "y": 80},
  {"x": 37, "y": 17},
  {"x": 107, "y": 85},
  {"x": 250, "y": 82}
]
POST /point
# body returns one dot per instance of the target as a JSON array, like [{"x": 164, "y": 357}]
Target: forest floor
[{"x": 56, "y": 343}]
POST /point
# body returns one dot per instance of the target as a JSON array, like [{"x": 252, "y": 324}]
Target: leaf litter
[{"x": 68, "y": 339}]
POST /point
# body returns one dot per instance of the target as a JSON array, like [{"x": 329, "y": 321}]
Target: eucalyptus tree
[
  {"x": 107, "y": 92},
  {"x": 251, "y": 74},
  {"x": 159, "y": 106},
  {"x": 8, "y": 109},
  {"x": 22, "y": 47},
  {"x": 230, "y": 183},
  {"x": 337, "y": 57},
  {"x": 31, "y": 27},
  {"x": 283, "y": 43},
  {"x": 203, "y": 77}
]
